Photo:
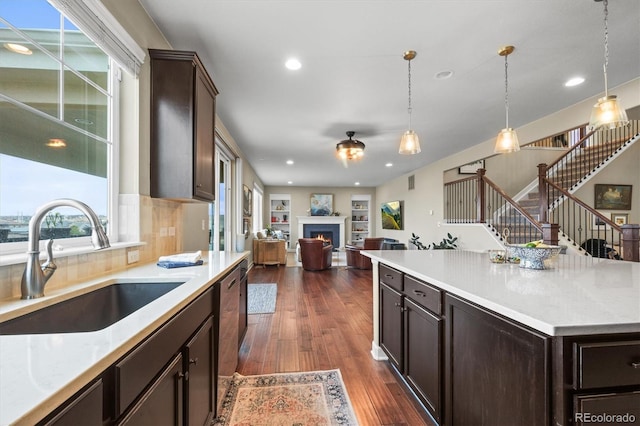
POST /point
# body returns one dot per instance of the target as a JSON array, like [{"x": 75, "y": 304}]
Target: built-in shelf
[
  {"x": 360, "y": 215},
  {"x": 280, "y": 215}
]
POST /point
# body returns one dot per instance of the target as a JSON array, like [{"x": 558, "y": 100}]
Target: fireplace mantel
[{"x": 337, "y": 220}]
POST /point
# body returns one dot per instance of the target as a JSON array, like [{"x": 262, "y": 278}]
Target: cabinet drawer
[
  {"x": 136, "y": 370},
  {"x": 423, "y": 294},
  {"x": 621, "y": 408},
  {"x": 603, "y": 364},
  {"x": 390, "y": 277}
]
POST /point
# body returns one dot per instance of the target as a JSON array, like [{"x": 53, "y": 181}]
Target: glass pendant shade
[
  {"x": 608, "y": 114},
  {"x": 507, "y": 141},
  {"x": 409, "y": 144}
]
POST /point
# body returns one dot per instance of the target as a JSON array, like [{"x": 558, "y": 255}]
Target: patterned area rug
[
  {"x": 291, "y": 399},
  {"x": 261, "y": 298}
]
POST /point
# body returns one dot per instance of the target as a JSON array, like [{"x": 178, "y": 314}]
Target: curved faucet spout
[{"x": 35, "y": 275}]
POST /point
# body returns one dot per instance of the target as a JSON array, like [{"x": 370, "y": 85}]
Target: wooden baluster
[{"x": 481, "y": 201}]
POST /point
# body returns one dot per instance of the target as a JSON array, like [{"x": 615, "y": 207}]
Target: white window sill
[{"x": 17, "y": 258}]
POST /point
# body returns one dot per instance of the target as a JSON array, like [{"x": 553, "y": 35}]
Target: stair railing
[
  {"x": 477, "y": 199},
  {"x": 588, "y": 154},
  {"x": 585, "y": 227}
]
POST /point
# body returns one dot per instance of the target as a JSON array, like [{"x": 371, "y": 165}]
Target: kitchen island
[
  {"x": 483, "y": 343},
  {"x": 39, "y": 372}
]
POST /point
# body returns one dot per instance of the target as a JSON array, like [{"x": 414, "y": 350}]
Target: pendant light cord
[
  {"x": 606, "y": 46},
  {"x": 409, "y": 109},
  {"x": 506, "y": 91}
]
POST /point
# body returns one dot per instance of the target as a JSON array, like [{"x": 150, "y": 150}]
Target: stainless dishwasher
[{"x": 228, "y": 334}]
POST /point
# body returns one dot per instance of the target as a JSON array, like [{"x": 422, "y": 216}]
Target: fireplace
[
  {"x": 327, "y": 232},
  {"x": 324, "y": 225}
]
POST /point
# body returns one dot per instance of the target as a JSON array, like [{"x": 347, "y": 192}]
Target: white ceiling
[{"x": 353, "y": 76}]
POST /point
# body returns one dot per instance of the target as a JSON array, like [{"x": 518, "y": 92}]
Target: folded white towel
[{"x": 182, "y": 257}]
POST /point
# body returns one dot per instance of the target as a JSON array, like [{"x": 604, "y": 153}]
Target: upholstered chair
[
  {"x": 316, "y": 255},
  {"x": 359, "y": 261}
]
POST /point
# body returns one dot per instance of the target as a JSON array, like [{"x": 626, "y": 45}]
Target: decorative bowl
[
  {"x": 533, "y": 257},
  {"x": 497, "y": 256}
]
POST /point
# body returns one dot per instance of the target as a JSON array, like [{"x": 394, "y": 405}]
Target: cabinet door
[
  {"x": 200, "y": 383},
  {"x": 422, "y": 360},
  {"x": 391, "y": 324},
  {"x": 497, "y": 372},
  {"x": 204, "y": 139},
  {"x": 85, "y": 409},
  {"x": 162, "y": 403},
  {"x": 242, "y": 320}
]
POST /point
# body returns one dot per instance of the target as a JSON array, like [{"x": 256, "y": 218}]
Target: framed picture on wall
[
  {"x": 470, "y": 169},
  {"x": 247, "y": 201},
  {"x": 321, "y": 204},
  {"x": 620, "y": 218},
  {"x": 612, "y": 197},
  {"x": 391, "y": 215}
]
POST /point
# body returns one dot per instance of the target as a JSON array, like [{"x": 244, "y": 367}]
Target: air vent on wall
[{"x": 412, "y": 182}]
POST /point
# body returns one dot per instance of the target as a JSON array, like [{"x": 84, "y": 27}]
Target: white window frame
[{"x": 102, "y": 28}]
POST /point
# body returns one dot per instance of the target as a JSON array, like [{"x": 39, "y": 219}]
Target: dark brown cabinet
[
  {"x": 391, "y": 325},
  {"x": 411, "y": 334},
  {"x": 496, "y": 371},
  {"x": 423, "y": 356},
  {"x": 162, "y": 403},
  {"x": 183, "y": 107},
  {"x": 201, "y": 379},
  {"x": 85, "y": 408},
  {"x": 595, "y": 376}
]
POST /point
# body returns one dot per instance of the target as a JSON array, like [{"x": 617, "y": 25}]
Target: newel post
[
  {"x": 542, "y": 193},
  {"x": 481, "y": 198},
  {"x": 550, "y": 233},
  {"x": 631, "y": 242}
]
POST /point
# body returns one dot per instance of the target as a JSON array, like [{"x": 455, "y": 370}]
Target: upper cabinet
[{"x": 183, "y": 110}]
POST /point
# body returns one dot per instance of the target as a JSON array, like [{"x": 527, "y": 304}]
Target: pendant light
[
  {"x": 607, "y": 113},
  {"x": 409, "y": 144},
  {"x": 507, "y": 140},
  {"x": 350, "y": 149}
]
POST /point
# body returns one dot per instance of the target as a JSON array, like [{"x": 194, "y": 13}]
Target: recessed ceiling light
[
  {"x": 357, "y": 183},
  {"x": 293, "y": 64},
  {"x": 289, "y": 161},
  {"x": 290, "y": 183},
  {"x": 388, "y": 165},
  {"x": 574, "y": 81},
  {"x": 443, "y": 75},
  {"x": 18, "y": 48},
  {"x": 56, "y": 143}
]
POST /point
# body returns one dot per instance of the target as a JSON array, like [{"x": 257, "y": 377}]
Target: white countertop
[
  {"x": 579, "y": 295},
  {"x": 39, "y": 372}
]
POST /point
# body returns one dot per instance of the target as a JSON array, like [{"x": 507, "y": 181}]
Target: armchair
[
  {"x": 359, "y": 261},
  {"x": 316, "y": 256}
]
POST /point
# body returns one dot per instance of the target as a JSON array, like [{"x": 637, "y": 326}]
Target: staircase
[{"x": 549, "y": 201}]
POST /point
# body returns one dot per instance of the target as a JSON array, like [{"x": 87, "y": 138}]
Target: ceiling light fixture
[
  {"x": 350, "y": 149},
  {"x": 575, "y": 81},
  {"x": 56, "y": 143},
  {"x": 293, "y": 64},
  {"x": 507, "y": 140},
  {"x": 607, "y": 112},
  {"x": 18, "y": 48},
  {"x": 410, "y": 143}
]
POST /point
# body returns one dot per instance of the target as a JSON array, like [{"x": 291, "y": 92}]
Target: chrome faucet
[{"x": 35, "y": 275}]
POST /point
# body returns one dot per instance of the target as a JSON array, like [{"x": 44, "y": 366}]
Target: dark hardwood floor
[{"x": 323, "y": 321}]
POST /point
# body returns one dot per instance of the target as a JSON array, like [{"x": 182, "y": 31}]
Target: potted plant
[{"x": 447, "y": 243}]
